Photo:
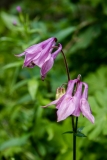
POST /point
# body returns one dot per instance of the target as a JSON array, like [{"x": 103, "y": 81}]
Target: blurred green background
[{"x": 27, "y": 131}]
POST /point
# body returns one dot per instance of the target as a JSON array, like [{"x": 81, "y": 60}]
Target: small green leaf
[
  {"x": 80, "y": 129},
  {"x": 14, "y": 64},
  {"x": 70, "y": 132},
  {"x": 80, "y": 134},
  {"x": 64, "y": 33}
]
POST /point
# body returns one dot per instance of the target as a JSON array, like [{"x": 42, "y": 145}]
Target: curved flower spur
[
  {"x": 73, "y": 102},
  {"x": 41, "y": 55}
]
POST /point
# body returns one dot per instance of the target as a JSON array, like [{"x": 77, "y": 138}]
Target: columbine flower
[
  {"x": 40, "y": 55},
  {"x": 18, "y": 8},
  {"x": 73, "y": 102}
]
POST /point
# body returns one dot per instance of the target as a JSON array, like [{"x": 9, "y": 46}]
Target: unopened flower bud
[
  {"x": 60, "y": 92},
  {"x": 18, "y": 8},
  {"x": 14, "y": 23}
]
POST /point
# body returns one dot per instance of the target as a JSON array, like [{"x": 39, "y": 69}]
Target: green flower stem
[
  {"x": 74, "y": 126},
  {"x": 76, "y": 123},
  {"x": 66, "y": 65},
  {"x": 74, "y": 139},
  {"x": 74, "y": 146}
]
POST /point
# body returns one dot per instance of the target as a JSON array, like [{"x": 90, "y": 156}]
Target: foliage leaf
[
  {"x": 32, "y": 87},
  {"x": 14, "y": 142},
  {"x": 64, "y": 33},
  {"x": 80, "y": 129},
  {"x": 14, "y": 64},
  {"x": 80, "y": 134}
]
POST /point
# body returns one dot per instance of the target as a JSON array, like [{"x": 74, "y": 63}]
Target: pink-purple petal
[
  {"x": 55, "y": 102},
  {"x": 34, "y": 49},
  {"x": 52, "y": 103},
  {"x": 19, "y": 55},
  {"x": 57, "y": 51},
  {"x": 46, "y": 67},
  {"x": 40, "y": 46},
  {"x": 85, "y": 109},
  {"x": 85, "y": 92},
  {"x": 66, "y": 108},
  {"x": 76, "y": 102},
  {"x": 70, "y": 87}
]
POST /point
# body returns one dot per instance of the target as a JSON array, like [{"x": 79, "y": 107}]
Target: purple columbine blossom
[
  {"x": 73, "y": 102},
  {"x": 41, "y": 55}
]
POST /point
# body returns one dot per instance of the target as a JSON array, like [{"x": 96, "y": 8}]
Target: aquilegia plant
[{"x": 71, "y": 102}]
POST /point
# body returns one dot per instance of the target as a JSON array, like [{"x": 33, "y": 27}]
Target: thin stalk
[
  {"x": 66, "y": 65},
  {"x": 74, "y": 146},
  {"x": 74, "y": 140},
  {"x": 76, "y": 124}
]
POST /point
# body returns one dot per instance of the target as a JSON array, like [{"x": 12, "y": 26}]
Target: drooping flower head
[
  {"x": 73, "y": 102},
  {"x": 41, "y": 55}
]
